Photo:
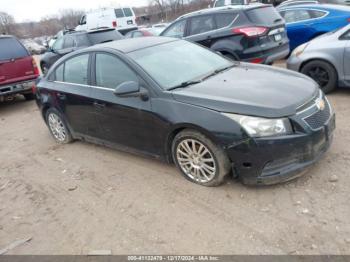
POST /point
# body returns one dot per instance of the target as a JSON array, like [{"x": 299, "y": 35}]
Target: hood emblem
[{"x": 320, "y": 104}]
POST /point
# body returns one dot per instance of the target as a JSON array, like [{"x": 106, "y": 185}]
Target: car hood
[{"x": 249, "y": 89}]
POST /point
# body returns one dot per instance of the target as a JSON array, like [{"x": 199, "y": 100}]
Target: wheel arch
[
  {"x": 319, "y": 59},
  {"x": 179, "y": 128}
]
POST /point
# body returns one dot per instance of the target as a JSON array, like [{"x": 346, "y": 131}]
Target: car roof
[
  {"x": 6, "y": 36},
  {"x": 318, "y": 6},
  {"x": 133, "y": 44},
  {"x": 224, "y": 8}
]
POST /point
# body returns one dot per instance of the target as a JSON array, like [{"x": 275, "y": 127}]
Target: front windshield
[{"x": 177, "y": 62}]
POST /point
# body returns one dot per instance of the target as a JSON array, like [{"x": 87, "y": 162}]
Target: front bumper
[
  {"x": 17, "y": 88},
  {"x": 294, "y": 63},
  {"x": 266, "y": 161}
]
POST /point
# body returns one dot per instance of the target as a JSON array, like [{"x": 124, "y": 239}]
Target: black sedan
[{"x": 177, "y": 101}]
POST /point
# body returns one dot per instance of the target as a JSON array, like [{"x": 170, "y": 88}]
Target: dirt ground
[{"x": 76, "y": 198}]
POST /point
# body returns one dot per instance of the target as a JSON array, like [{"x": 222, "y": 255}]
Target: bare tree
[
  {"x": 69, "y": 17},
  {"x": 6, "y": 23}
]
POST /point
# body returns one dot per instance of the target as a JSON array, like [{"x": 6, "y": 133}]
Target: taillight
[
  {"x": 348, "y": 19},
  {"x": 34, "y": 88},
  {"x": 251, "y": 31},
  {"x": 114, "y": 23},
  {"x": 35, "y": 68},
  {"x": 257, "y": 61}
]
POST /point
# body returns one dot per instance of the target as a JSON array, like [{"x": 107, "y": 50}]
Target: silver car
[{"x": 326, "y": 59}]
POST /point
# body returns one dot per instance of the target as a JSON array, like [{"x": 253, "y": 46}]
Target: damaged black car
[{"x": 180, "y": 102}]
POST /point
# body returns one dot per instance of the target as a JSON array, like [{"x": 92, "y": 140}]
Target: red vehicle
[{"x": 18, "y": 70}]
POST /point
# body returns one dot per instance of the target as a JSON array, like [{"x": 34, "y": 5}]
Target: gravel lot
[{"x": 76, "y": 198}]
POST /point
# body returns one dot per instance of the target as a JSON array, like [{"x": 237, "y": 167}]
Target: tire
[
  {"x": 44, "y": 68},
  {"x": 323, "y": 73},
  {"x": 58, "y": 127},
  {"x": 210, "y": 172},
  {"x": 29, "y": 96}
]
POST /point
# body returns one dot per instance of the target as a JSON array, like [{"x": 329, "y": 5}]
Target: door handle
[
  {"x": 61, "y": 96},
  {"x": 99, "y": 105}
]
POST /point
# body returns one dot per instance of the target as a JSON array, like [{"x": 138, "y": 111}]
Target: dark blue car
[{"x": 307, "y": 21}]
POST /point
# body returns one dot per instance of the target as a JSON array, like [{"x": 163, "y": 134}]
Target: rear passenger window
[
  {"x": 291, "y": 16},
  {"x": 316, "y": 13},
  {"x": 111, "y": 71},
  {"x": 119, "y": 13},
  {"x": 59, "y": 73},
  {"x": 201, "y": 24},
  {"x": 223, "y": 20},
  {"x": 127, "y": 12},
  {"x": 10, "y": 48},
  {"x": 76, "y": 70}
]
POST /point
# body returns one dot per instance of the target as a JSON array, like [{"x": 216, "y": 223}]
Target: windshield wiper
[
  {"x": 185, "y": 84},
  {"x": 217, "y": 71}
]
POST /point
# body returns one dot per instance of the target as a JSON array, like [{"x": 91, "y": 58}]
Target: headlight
[
  {"x": 299, "y": 50},
  {"x": 260, "y": 127}
]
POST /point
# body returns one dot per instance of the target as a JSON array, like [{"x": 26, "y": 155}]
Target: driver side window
[
  {"x": 58, "y": 45},
  {"x": 111, "y": 71},
  {"x": 177, "y": 30}
]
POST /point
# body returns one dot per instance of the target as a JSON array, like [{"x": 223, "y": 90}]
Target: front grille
[{"x": 319, "y": 118}]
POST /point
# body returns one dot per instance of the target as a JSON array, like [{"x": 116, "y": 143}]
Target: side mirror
[{"x": 131, "y": 89}]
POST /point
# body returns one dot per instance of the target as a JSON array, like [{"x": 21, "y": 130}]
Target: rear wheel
[
  {"x": 199, "y": 159},
  {"x": 323, "y": 73},
  {"x": 58, "y": 127}
]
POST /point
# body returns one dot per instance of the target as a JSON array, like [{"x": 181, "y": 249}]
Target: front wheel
[
  {"x": 44, "y": 68},
  {"x": 58, "y": 127},
  {"x": 323, "y": 73},
  {"x": 199, "y": 159}
]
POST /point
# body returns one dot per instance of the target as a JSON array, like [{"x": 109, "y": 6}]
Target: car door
[
  {"x": 200, "y": 29},
  {"x": 126, "y": 121},
  {"x": 298, "y": 24},
  {"x": 73, "y": 94}
]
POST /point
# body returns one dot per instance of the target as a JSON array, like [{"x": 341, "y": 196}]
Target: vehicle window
[
  {"x": 76, "y": 70},
  {"x": 220, "y": 3},
  {"x": 291, "y": 16},
  {"x": 58, "y": 45},
  {"x": 10, "y": 48},
  {"x": 201, "y": 24},
  {"x": 127, "y": 12},
  {"x": 346, "y": 36},
  {"x": 316, "y": 13},
  {"x": 119, "y": 13},
  {"x": 111, "y": 71},
  {"x": 68, "y": 42},
  {"x": 129, "y": 35},
  {"x": 176, "y": 30},
  {"x": 82, "y": 40},
  {"x": 137, "y": 34},
  {"x": 59, "y": 73},
  {"x": 223, "y": 20},
  {"x": 237, "y": 2},
  {"x": 266, "y": 15},
  {"x": 104, "y": 36},
  {"x": 180, "y": 56}
]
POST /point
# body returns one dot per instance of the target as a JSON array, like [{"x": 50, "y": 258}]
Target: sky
[{"x": 34, "y": 10}]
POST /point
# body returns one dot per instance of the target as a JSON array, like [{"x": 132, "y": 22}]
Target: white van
[
  {"x": 123, "y": 19},
  {"x": 220, "y": 3}
]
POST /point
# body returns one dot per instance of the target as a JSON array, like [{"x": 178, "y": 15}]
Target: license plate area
[
  {"x": 129, "y": 22},
  {"x": 277, "y": 37}
]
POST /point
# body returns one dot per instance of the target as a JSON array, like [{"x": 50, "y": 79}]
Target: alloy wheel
[
  {"x": 196, "y": 161},
  {"x": 57, "y": 127},
  {"x": 320, "y": 75}
]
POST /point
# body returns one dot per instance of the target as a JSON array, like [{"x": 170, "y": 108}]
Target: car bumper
[
  {"x": 17, "y": 88},
  {"x": 266, "y": 161},
  {"x": 294, "y": 63},
  {"x": 269, "y": 56}
]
